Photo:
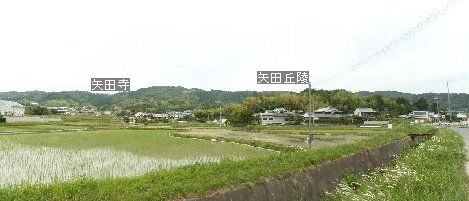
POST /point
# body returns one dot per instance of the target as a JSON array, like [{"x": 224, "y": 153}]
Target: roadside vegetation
[{"x": 431, "y": 170}]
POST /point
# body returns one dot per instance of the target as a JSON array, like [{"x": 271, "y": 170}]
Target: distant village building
[
  {"x": 422, "y": 116},
  {"x": 364, "y": 112},
  {"x": 464, "y": 123},
  {"x": 63, "y": 110},
  {"x": 10, "y": 108},
  {"x": 313, "y": 117},
  {"x": 160, "y": 116},
  {"x": 462, "y": 116},
  {"x": 328, "y": 112},
  {"x": 425, "y": 116},
  {"x": 107, "y": 112},
  {"x": 179, "y": 115},
  {"x": 86, "y": 110},
  {"x": 222, "y": 122},
  {"x": 175, "y": 115},
  {"x": 141, "y": 115},
  {"x": 276, "y": 116}
]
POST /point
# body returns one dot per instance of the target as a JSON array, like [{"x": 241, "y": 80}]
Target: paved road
[{"x": 464, "y": 132}]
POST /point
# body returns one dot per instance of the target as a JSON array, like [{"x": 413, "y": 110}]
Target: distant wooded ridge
[
  {"x": 459, "y": 101},
  {"x": 167, "y": 98}
]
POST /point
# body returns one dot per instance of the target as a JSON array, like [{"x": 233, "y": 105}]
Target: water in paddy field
[{"x": 33, "y": 165}]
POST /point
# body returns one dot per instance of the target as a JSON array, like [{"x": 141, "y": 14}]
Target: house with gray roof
[
  {"x": 364, "y": 112},
  {"x": 328, "y": 112},
  {"x": 276, "y": 116}
]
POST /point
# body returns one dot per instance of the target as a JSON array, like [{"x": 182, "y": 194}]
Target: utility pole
[
  {"x": 310, "y": 134},
  {"x": 221, "y": 122},
  {"x": 438, "y": 107},
  {"x": 449, "y": 102}
]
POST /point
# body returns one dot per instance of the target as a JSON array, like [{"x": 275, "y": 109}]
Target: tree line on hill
[
  {"x": 238, "y": 106},
  {"x": 345, "y": 101}
]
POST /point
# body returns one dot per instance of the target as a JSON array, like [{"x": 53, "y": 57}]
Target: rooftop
[
  {"x": 10, "y": 103},
  {"x": 365, "y": 110},
  {"x": 328, "y": 110}
]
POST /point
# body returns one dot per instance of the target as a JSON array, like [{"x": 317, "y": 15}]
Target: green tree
[
  {"x": 37, "y": 110},
  {"x": 294, "y": 119},
  {"x": 403, "y": 106},
  {"x": 238, "y": 114},
  {"x": 421, "y": 104}
]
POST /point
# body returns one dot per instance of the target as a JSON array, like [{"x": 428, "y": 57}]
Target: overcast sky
[{"x": 59, "y": 45}]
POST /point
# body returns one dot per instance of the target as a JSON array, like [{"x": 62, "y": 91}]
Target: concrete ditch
[{"x": 312, "y": 183}]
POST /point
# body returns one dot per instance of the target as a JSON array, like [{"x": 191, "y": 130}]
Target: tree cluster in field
[
  {"x": 39, "y": 110},
  {"x": 345, "y": 101}
]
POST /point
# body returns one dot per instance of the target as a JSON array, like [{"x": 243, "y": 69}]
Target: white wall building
[
  {"x": 276, "y": 116},
  {"x": 10, "y": 108},
  {"x": 362, "y": 112}
]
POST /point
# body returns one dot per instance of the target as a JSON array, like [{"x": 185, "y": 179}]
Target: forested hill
[
  {"x": 164, "y": 98},
  {"x": 157, "y": 98},
  {"x": 459, "y": 101}
]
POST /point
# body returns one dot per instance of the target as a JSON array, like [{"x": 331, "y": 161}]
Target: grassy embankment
[
  {"x": 431, "y": 170},
  {"x": 194, "y": 179}
]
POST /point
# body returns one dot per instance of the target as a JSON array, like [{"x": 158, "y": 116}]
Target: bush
[
  {"x": 294, "y": 119},
  {"x": 353, "y": 120}
]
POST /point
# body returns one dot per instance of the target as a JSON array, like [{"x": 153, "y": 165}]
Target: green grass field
[
  {"x": 101, "y": 159},
  {"x": 52, "y": 157},
  {"x": 153, "y": 143},
  {"x": 432, "y": 170},
  {"x": 188, "y": 180}
]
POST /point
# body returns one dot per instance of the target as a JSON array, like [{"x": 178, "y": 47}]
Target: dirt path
[{"x": 464, "y": 132}]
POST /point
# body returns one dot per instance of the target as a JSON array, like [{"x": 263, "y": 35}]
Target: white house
[
  {"x": 10, "y": 108},
  {"x": 422, "y": 116},
  {"x": 276, "y": 116},
  {"x": 362, "y": 112}
]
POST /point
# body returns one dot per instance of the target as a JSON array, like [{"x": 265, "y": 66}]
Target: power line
[{"x": 405, "y": 36}]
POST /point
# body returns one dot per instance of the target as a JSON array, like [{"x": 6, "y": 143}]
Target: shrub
[{"x": 353, "y": 120}]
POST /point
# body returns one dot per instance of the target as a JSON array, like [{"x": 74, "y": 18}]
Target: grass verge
[{"x": 432, "y": 170}]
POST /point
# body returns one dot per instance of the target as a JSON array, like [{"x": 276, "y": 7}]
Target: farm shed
[{"x": 10, "y": 108}]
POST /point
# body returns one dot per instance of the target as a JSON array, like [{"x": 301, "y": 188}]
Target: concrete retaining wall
[{"x": 315, "y": 181}]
